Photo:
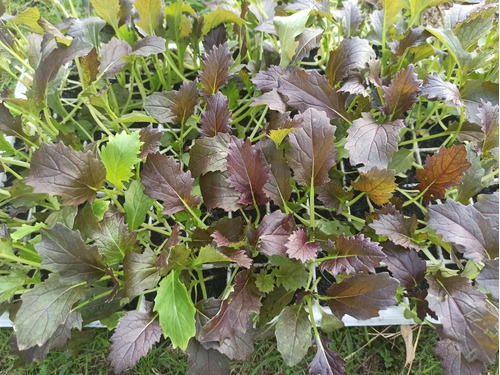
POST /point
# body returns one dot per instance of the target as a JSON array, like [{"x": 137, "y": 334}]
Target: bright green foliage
[
  {"x": 149, "y": 13},
  {"x": 176, "y": 310},
  {"x": 288, "y": 28},
  {"x": 137, "y": 205},
  {"x": 109, "y": 10},
  {"x": 119, "y": 157},
  {"x": 218, "y": 16}
]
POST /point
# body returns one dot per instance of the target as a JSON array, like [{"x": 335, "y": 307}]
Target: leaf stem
[
  {"x": 86, "y": 302},
  {"x": 202, "y": 283},
  {"x": 438, "y": 135},
  {"x": 459, "y": 127},
  {"x": 312, "y": 221},
  {"x": 19, "y": 163},
  {"x": 14, "y": 258},
  {"x": 355, "y": 199}
]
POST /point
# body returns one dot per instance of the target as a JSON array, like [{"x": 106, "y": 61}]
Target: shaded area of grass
[{"x": 367, "y": 350}]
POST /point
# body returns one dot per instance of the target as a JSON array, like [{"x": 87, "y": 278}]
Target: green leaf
[
  {"x": 391, "y": 11},
  {"x": 401, "y": 160},
  {"x": 119, "y": 157},
  {"x": 99, "y": 208},
  {"x": 293, "y": 334},
  {"x": 208, "y": 254},
  {"x": 278, "y": 135},
  {"x": 25, "y": 230},
  {"x": 218, "y": 16},
  {"x": 418, "y": 6},
  {"x": 176, "y": 310},
  {"x": 108, "y": 10},
  {"x": 30, "y": 18},
  {"x": 135, "y": 116},
  {"x": 114, "y": 240},
  {"x": 452, "y": 44},
  {"x": 149, "y": 13},
  {"x": 137, "y": 205},
  {"x": 11, "y": 283},
  {"x": 44, "y": 308},
  {"x": 292, "y": 275},
  {"x": 288, "y": 28},
  {"x": 173, "y": 15},
  {"x": 264, "y": 281}
]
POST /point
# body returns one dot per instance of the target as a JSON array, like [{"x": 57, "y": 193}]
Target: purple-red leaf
[
  {"x": 215, "y": 37},
  {"x": 140, "y": 272},
  {"x": 454, "y": 363},
  {"x": 272, "y": 99},
  {"x": 466, "y": 228},
  {"x": 488, "y": 114},
  {"x": 267, "y": 80},
  {"x": 164, "y": 180},
  {"x": 216, "y": 65},
  {"x": 487, "y": 204},
  {"x": 272, "y": 233},
  {"x": 352, "y": 254},
  {"x": 44, "y": 309},
  {"x": 401, "y": 93},
  {"x": 397, "y": 228},
  {"x": 442, "y": 171},
  {"x": 312, "y": 152},
  {"x": 49, "y": 66},
  {"x": 278, "y": 187},
  {"x": 57, "y": 169},
  {"x": 217, "y": 117},
  {"x": 352, "y": 53},
  {"x": 203, "y": 361},
  {"x": 63, "y": 251},
  {"x": 150, "y": 139},
  {"x": 293, "y": 334},
  {"x": 405, "y": 265},
  {"x": 488, "y": 277},
  {"x": 209, "y": 154},
  {"x": 466, "y": 317},
  {"x": 235, "y": 311},
  {"x": 414, "y": 37},
  {"x": 111, "y": 57},
  {"x": 299, "y": 247},
  {"x": 436, "y": 88},
  {"x": 371, "y": 143},
  {"x": 185, "y": 101},
  {"x": 333, "y": 196},
  {"x": 159, "y": 106},
  {"x": 362, "y": 296},
  {"x": 247, "y": 172},
  {"x": 216, "y": 192},
  {"x": 309, "y": 89},
  {"x": 150, "y": 45},
  {"x": 56, "y": 341},
  {"x": 326, "y": 362},
  {"x": 134, "y": 336}
]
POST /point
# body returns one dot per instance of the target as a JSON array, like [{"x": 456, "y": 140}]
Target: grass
[{"x": 368, "y": 350}]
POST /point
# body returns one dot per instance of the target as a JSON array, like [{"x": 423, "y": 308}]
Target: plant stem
[
  {"x": 10, "y": 161},
  {"x": 355, "y": 199},
  {"x": 459, "y": 127},
  {"x": 442, "y": 134},
  {"x": 312, "y": 221},
  {"x": 202, "y": 283},
  {"x": 86, "y": 302},
  {"x": 14, "y": 258}
]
